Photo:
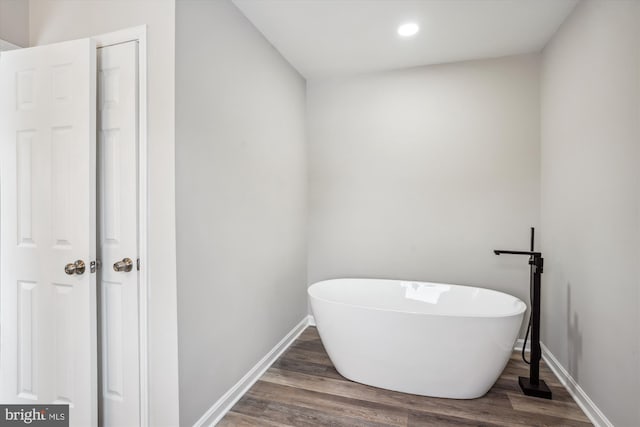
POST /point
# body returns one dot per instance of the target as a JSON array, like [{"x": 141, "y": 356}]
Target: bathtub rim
[{"x": 390, "y": 310}]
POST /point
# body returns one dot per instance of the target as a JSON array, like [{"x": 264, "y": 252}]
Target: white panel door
[
  {"x": 118, "y": 231},
  {"x": 48, "y": 333}
]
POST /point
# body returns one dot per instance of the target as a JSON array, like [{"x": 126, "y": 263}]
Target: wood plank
[
  {"x": 309, "y": 334},
  {"x": 234, "y": 419},
  {"x": 331, "y": 404},
  {"x": 307, "y": 356},
  {"x": 423, "y": 419},
  {"x": 481, "y": 414},
  {"x": 288, "y": 414},
  {"x": 567, "y": 410},
  {"x": 307, "y": 368},
  {"x": 311, "y": 345}
]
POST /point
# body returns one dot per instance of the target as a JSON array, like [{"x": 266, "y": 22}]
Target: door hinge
[{"x": 94, "y": 266}]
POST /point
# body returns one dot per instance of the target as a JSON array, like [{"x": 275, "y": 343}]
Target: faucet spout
[{"x": 529, "y": 253}]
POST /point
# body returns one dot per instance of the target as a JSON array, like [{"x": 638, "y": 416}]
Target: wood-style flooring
[{"x": 302, "y": 388}]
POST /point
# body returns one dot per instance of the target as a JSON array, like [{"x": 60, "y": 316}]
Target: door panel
[
  {"x": 48, "y": 331},
  {"x": 118, "y": 231}
]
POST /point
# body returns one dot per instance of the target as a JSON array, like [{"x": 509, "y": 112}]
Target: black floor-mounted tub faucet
[{"x": 533, "y": 386}]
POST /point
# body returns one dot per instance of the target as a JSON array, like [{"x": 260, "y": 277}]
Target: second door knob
[{"x": 125, "y": 265}]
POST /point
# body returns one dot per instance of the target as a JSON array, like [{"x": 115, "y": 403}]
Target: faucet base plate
[{"x": 541, "y": 390}]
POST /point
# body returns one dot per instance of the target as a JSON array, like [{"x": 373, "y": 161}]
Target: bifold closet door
[
  {"x": 48, "y": 347},
  {"x": 118, "y": 231}
]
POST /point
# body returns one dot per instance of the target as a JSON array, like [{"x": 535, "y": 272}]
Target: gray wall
[
  {"x": 14, "y": 22},
  {"x": 241, "y": 199},
  {"x": 420, "y": 173},
  {"x": 591, "y": 203}
]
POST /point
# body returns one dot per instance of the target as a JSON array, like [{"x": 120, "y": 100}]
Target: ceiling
[{"x": 334, "y": 37}]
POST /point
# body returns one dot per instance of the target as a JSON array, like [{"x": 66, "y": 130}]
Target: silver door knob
[
  {"x": 125, "y": 265},
  {"x": 77, "y": 267}
]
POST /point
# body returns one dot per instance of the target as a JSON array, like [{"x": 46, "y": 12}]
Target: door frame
[{"x": 139, "y": 34}]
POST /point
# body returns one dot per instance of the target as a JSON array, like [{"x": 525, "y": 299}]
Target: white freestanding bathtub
[{"x": 429, "y": 339}]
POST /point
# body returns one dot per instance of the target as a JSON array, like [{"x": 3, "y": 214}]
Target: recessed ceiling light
[{"x": 408, "y": 29}]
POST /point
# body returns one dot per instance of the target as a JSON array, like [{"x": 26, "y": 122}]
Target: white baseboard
[
  {"x": 231, "y": 397},
  {"x": 584, "y": 402},
  {"x": 312, "y": 320}
]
